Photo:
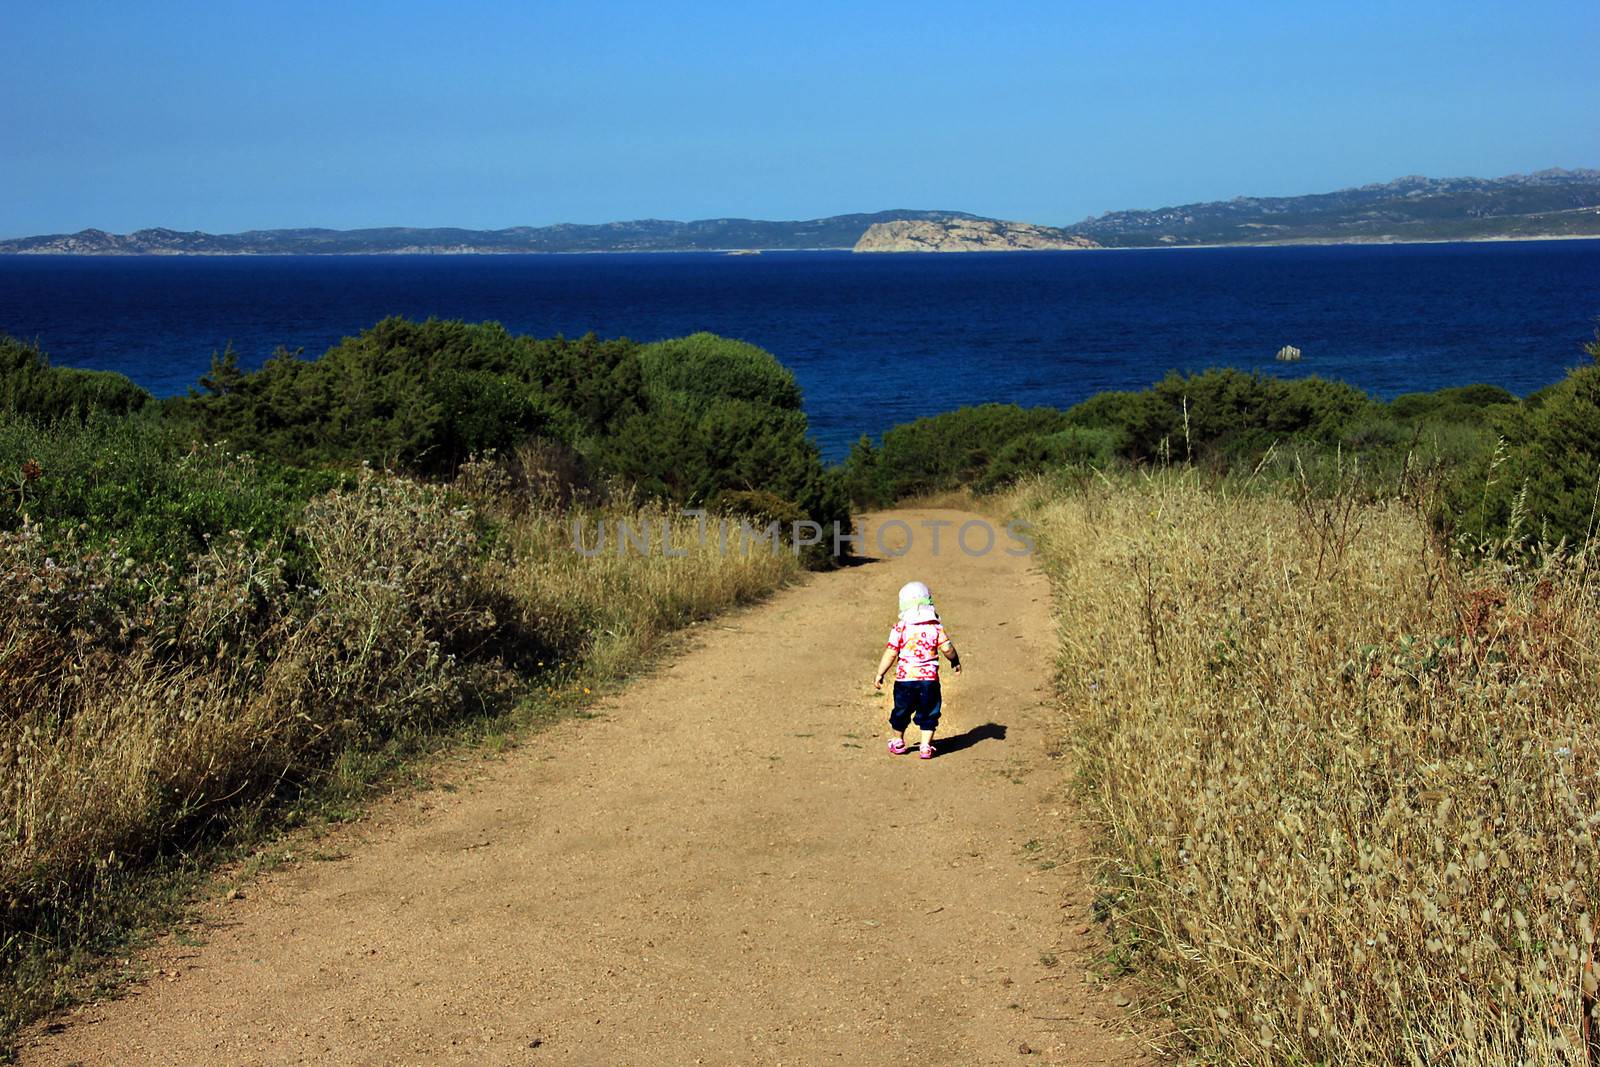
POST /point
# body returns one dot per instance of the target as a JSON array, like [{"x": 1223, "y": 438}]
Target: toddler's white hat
[{"x": 916, "y": 604}]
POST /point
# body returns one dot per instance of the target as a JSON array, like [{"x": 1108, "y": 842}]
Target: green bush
[
  {"x": 682, "y": 420},
  {"x": 1467, "y": 403},
  {"x": 143, "y": 485},
  {"x": 1223, "y": 411},
  {"x": 1228, "y": 420},
  {"x": 30, "y": 386},
  {"x": 1227, "y": 416},
  {"x": 1379, "y": 432},
  {"x": 862, "y": 477},
  {"x": 1542, "y": 482},
  {"x": 1075, "y": 446},
  {"x": 696, "y": 370},
  {"x": 940, "y": 452},
  {"x": 1314, "y": 408},
  {"x": 419, "y": 395},
  {"x": 721, "y": 416}
]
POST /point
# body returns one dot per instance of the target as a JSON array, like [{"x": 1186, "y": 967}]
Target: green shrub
[
  {"x": 1227, "y": 420},
  {"x": 682, "y": 420},
  {"x": 1075, "y": 446},
  {"x": 701, "y": 368},
  {"x": 1536, "y": 475},
  {"x": 1142, "y": 422},
  {"x": 1547, "y": 485},
  {"x": 143, "y": 485},
  {"x": 942, "y": 451},
  {"x": 1227, "y": 411},
  {"x": 862, "y": 475},
  {"x": 1314, "y": 407},
  {"x": 1467, "y": 403},
  {"x": 420, "y": 395},
  {"x": 722, "y": 416},
  {"x": 1376, "y": 433},
  {"x": 30, "y": 386}
]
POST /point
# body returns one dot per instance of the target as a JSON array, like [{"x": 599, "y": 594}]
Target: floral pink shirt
[{"x": 918, "y": 647}]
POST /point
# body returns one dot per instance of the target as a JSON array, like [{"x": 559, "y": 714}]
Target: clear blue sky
[{"x": 223, "y": 116}]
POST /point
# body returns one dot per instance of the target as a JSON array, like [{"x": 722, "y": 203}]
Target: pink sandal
[
  {"x": 897, "y": 746},
  {"x": 927, "y": 752}
]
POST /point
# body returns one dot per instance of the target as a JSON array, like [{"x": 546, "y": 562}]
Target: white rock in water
[{"x": 1288, "y": 353}]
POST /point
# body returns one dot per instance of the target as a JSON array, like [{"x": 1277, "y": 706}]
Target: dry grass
[
  {"x": 613, "y": 608},
  {"x": 142, "y": 711},
  {"x": 1347, "y": 784}
]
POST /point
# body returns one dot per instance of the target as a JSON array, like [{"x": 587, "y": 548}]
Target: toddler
[{"x": 913, "y": 650}]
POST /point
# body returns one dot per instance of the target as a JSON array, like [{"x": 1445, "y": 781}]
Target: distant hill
[
  {"x": 1549, "y": 203},
  {"x": 966, "y": 235},
  {"x": 645, "y": 235}
]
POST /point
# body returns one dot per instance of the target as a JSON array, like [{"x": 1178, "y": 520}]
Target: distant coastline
[
  {"x": 1313, "y": 242},
  {"x": 1302, "y": 242},
  {"x": 486, "y": 252},
  {"x": 1546, "y": 205}
]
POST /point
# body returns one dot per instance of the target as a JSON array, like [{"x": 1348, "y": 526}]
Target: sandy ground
[{"x": 726, "y": 867}]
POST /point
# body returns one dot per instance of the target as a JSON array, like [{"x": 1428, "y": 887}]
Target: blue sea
[{"x": 874, "y": 339}]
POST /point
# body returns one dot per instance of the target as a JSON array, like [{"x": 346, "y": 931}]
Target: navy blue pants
[{"x": 916, "y": 700}]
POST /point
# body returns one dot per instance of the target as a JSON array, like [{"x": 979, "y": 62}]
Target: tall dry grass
[
  {"x": 1347, "y": 781},
  {"x": 143, "y": 710}
]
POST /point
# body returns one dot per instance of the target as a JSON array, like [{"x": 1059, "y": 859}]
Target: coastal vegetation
[
  {"x": 29, "y": 385},
  {"x": 225, "y": 613},
  {"x": 1496, "y": 466},
  {"x": 1342, "y": 768},
  {"x": 683, "y": 420}
]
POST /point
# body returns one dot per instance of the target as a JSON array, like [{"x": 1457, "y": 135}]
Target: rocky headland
[{"x": 966, "y": 235}]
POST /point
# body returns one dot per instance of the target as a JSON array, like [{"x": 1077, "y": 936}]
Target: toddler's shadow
[{"x": 956, "y": 742}]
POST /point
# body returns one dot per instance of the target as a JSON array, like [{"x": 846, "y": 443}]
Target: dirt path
[{"x": 725, "y": 868}]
